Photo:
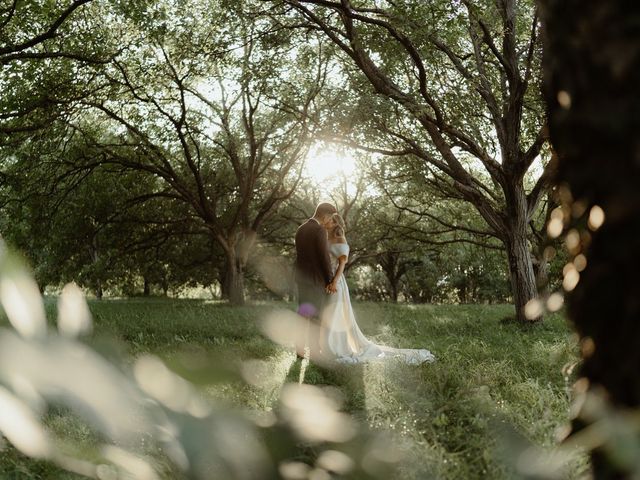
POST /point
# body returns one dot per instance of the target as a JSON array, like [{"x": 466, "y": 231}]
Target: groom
[{"x": 313, "y": 266}]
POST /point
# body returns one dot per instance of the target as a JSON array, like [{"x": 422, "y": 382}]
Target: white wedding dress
[{"x": 342, "y": 339}]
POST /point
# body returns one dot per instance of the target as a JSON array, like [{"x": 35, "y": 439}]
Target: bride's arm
[{"x": 342, "y": 261}]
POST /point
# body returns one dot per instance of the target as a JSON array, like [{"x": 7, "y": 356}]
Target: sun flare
[{"x": 326, "y": 166}]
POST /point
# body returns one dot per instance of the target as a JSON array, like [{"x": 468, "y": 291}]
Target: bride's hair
[{"x": 338, "y": 230}]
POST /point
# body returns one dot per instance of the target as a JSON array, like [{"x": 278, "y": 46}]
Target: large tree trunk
[
  {"x": 237, "y": 248},
  {"x": 521, "y": 271},
  {"x": 222, "y": 280},
  {"x": 389, "y": 263},
  {"x": 146, "y": 289},
  {"x": 541, "y": 269},
  {"x": 593, "y": 72},
  {"x": 165, "y": 284},
  {"x": 95, "y": 258},
  {"x": 234, "y": 280},
  {"x": 394, "y": 290}
]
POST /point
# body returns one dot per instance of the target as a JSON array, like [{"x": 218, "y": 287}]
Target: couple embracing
[{"x": 322, "y": 252}]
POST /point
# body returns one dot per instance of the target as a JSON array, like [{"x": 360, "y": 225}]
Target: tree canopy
[{"x": 197, "y": 119}]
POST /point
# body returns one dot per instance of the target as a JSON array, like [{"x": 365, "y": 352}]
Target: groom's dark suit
[{"x": 313, "y": 266}]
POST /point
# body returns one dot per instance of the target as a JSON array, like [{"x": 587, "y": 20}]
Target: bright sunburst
[{"x": 326, "y": 167}]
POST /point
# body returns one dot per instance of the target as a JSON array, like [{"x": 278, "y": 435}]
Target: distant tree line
[{"x": 163, "y": 147}]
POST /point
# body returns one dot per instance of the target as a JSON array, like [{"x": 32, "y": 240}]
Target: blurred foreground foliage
[
  {"x": 146, "y": 419},
  {"x": 79, "y": 402}
]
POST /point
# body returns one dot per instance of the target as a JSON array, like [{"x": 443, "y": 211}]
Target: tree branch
[{"x": 48, "y": 34}]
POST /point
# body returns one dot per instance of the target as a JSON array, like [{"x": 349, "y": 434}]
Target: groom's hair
[{"x": 324, "y": 209}]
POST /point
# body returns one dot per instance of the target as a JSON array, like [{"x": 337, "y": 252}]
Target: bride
[{"x": 341, "y": 338}]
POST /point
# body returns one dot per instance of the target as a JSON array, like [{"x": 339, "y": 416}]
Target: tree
[
  {"x": 43, "y": 52},
  {"x": 223, "y": 133},
  {"x": 383, "y": 245},
  {"x": 98, "y": 225},
  {"x": 16, "y": 47},
  {"x": 462, "y": 81},
  {"x": 592, "y": 71},
  {"x": 440, "y": 233}
]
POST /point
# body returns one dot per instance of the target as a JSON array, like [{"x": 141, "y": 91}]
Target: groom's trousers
[{"x": 311, "y": 301}]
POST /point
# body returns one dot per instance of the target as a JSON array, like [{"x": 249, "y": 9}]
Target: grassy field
[{"x": 451, "y": 419}]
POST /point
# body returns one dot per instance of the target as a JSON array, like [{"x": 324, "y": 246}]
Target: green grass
[{"x": 445, "y": 417}]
